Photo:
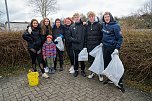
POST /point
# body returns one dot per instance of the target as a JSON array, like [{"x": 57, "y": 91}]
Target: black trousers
[
  {"x": 76, "y": 62},
  {"x": 107, "y": 51},
  {"x": 70, "y": 54},
  {"x": 90, "y": 60},
  {"x": 60, "y": 55},
  {"x": 39, "y": 58}
]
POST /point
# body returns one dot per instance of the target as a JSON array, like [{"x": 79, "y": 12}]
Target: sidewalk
[{"x": 62, "y": 86}]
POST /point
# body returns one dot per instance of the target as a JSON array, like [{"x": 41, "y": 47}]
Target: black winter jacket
[
  {"x": 67, "y": 36},
  {"x": 34, "y": 39},
  {"x": 93, "y": 35},
  {"x": 58, "y": 32},
  {"x": 77, "y": 36}
]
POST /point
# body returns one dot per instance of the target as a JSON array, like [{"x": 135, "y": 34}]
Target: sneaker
[
  {"x": 71, "y": 69},
  {"x": 50, "y": 71},
  {"x": 121, "y": 88},
  {"x": 106, "y": 82},
  {"x": 53, "y": 70},
  {"x": 75, "y": 74},
  {"x": 110, "y": 82},
  {"x": 83, "y": 73},
  {"x": 61, "y": 68},
  {"x": 46, "y": 69},
  {"x": 45, "y": 75},
  {"x": 91, "y": 75},
  {"x": 100, "y": 78}
]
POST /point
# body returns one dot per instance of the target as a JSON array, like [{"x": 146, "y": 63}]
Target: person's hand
[
  {"x": 84, "y": 48},
  {"x": 116, "y": 51},
  {"x": 55, "y": 42},
  {"x": 84, "y": 23},
  {"x": 29, "y": 30},
  {"x": 39, "y": 51},
  {"x": 101, "y": 44},
  {"x": 33, "y": 50},
  {"x": 61, "y": 35},
  {"x": 44, "y": 57}
]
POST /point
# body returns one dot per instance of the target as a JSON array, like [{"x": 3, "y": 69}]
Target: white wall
[{"x": 17, "y": 26}]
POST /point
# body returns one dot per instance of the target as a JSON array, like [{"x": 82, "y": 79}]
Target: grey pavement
[{"x": 62, "y": 86}]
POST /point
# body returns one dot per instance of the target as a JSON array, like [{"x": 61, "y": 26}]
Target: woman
[
  {"x": 46, "y": 29},
  {"x": 68, "y": 45},
  {"x": 112, "y": 41},
  {"x": 33, "y": 38},
  {"x": 58, "y": 31}
]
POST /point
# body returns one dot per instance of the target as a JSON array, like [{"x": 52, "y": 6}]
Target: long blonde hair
[{"x": 43, "y": 27}]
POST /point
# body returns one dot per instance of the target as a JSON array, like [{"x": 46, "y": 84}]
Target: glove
[
  {"x": 116, "y": 51},
  {"x": 101, "y": 44},
  {"x": 61, "y": 35},
  {"x": 55, "y": 42},
  {"x": 29, "y": 30},
  {"x": 84, "y": 48}
]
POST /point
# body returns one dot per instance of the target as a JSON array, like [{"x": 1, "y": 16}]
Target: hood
[
  {"x": 54, "y": 26},
  {"x": 111, "y": 19},
  {"x": 80, "y": 22}
]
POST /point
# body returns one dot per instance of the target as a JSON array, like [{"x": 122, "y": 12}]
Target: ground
[{"x": 62, "y": 86}]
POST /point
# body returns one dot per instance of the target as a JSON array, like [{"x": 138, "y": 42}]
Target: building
[{"x": 17, "y": 26}]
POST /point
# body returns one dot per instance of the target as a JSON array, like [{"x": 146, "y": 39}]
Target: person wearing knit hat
[{"x": 49, "y": 53}]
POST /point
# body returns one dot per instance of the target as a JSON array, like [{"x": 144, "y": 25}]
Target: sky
[{"x": 19, "y": 10}]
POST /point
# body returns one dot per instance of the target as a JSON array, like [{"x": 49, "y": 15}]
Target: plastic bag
[
  {"x": 115, "y": 69},
  {"x": 94, "y": 52},
  {"x": 60, "y": 44},
  {"x": 83, "y": 55},
  {"x": 98, "y": 63}
]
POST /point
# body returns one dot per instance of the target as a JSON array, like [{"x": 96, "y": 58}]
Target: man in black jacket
[
  {"x": 93, "y": 37},
  {"x": 77, "y": 35}
]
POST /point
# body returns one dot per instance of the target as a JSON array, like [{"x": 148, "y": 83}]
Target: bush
[
  {"x": 136, "y": 54},
  {"x": 13, "y": 53}
]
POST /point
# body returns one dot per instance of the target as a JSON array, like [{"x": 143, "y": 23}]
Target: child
[{"x": 49, "y": 53}]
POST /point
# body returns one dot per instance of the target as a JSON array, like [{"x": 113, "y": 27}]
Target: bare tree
[
  {"x": 44, "y": 7},
  {"x": 146, "y": 9}
]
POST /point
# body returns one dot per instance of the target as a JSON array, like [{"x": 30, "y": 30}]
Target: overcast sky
[{"x": 20, "y": 11}]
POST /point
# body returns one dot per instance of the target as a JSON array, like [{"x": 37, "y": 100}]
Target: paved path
[{"x": 62, "y": 86}]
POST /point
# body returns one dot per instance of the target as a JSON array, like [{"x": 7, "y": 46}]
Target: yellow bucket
[{"x": 33, "y": 78}]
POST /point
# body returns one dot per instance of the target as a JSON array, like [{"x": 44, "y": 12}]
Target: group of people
[{"x": 76, "y": 35}]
